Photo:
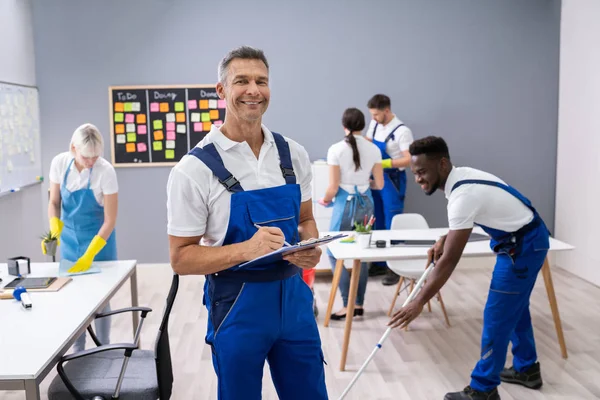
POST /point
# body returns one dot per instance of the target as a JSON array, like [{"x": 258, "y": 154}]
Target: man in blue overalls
[
  {"x": 241, "y": 193},
  {"x": 520, "y": 240},
  {"x": 392, "y": 138}
]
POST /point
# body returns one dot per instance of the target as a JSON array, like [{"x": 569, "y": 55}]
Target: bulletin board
[
  {"x": 20, "y": 149},
  {"x": 158, "y": 125}
]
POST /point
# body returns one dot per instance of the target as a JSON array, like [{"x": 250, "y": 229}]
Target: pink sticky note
[
  {"x": 192, "y": 104},
  {"x": 218, "y": 123},
  {"x": 141, "y": 129},
  {"x": 154, "y": 107},
  {"x": 141, "y": 147},
  {"x": 170, "y": 126},
  {"x": 170, "y": 135},
  {"x": 129, "y": 118},
  {"x": 197, "y": 126},
  {"x": 221, "y": 104}
]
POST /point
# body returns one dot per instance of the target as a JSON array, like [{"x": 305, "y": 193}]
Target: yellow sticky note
[
  {"x": 141, "y": 118},
  {"x": 214, "y": 114},
  {"x": 205, "y": 117},
  {"x": 180, "y": 117},
  {"x": 119, "y": 117},
  {"x": 157, "y": 146},
  {"x": 158, "y": 135},
  {"x": 131, "y": 137},
  {"x": 128, "y": 107},
  {"x": 203, "y": 103},
  {"x": 130, "y": 147},
  {"x": 119, "y": 128},
  {"x": 119, "y": 107},
  {"x": 158, "y": 124},
  {"x": 169, "y": 154},
  {"x": 164, "y": 107},
  {"x": 179, "y": 106}
]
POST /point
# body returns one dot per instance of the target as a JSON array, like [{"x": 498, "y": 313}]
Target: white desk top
[
  {"x": 352, "y": 251},
  {"x": 30, "y": 339}
]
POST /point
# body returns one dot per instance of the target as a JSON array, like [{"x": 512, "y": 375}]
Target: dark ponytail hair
[{"x": 353, "y": 120}]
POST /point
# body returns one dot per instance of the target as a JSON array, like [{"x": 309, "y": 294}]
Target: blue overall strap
[
  {"x": 285, "y": 158},
  {"x": 391, "y": 135},
  {"x": 211, "y": 158},
  {"x": 508, "y": 188}
]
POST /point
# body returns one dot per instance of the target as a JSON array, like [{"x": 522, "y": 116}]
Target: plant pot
[
  {"x": 51, "y": 247},
  {"x": 363, "y": 239}
]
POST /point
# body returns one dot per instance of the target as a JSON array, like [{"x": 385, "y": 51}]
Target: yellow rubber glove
[
  {"x": 387, "y": 163},
  {"x": 56, "y": 227},
  {"x": 85, "y": 262}
]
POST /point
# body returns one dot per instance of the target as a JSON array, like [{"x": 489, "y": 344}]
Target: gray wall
[
  {"x": 483, "y": 74},
  {"x": 21, "y": 214}
]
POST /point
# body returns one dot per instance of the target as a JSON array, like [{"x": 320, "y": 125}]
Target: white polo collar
[
  {"x": 216, "y": 136},
  {"x": 450, "y": 182}
]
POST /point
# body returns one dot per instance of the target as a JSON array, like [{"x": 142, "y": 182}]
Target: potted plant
[
  {"x": 50, "y": 243},
  {"x": 363, "y": 234}
]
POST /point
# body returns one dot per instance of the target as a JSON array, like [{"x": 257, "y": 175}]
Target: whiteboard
[{"x": 20, "y": 149}]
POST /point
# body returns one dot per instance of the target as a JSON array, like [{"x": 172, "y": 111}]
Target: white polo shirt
[
  {"x": 104, "y": 177},
  {"x": 403, "y": 137},
  {"x": 197, "y": 204},
  {"x": 341, "y": 154},
  {"x": 487, "y": 205}
]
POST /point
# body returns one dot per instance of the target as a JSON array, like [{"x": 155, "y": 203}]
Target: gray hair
[
  {"x": 243, "y": 52},
  {"x": 88, "y": 141}
]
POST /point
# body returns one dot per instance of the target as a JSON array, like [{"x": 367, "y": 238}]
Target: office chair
[
  {"x": 410, "y": 270},
  {"x": 120, "y": 370}
]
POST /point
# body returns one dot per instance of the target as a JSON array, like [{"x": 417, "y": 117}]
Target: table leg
[
  {"x": 134, "y": 299},
  {"x": 337, "y": 274},
  {"x": 32, "y": 390},
  {"x": 554, "y": 307},
  {"x": 350, "y": 313}
]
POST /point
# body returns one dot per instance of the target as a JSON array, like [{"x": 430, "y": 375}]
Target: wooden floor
[{"x": 423, "y": 363}]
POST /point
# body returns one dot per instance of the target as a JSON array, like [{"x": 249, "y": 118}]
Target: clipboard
[{"x": 277, "y": 255}]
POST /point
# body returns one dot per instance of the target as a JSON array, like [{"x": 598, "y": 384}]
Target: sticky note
[
  {"x": 204, "y": 104},
  {"x": 157, "y": 124},
  {"x": 206, "y": 126},
  {"x": 180, "y": 117},
  {"x": 158, "y": 135},
  {"x": 195, "y": 117},
  {"x": 135, "y": 106},
  {"x": 130, "y": 127},
  {"x": 171, "y": 117},
  {"x": 141, "y": 129},
  {"x": 164, "y": 107},
  {"x": 169, "y": 154},
  {"x": 141, "y": 118},
  {"x": 181, "y": 128},
  {"x": 205, "y": 117},
  {"x": 197, "y": 126},
  {"x": 121, "y": 139},
  {"x": 221, "y": 103},
  {"x": 157, "y": 146},
  {"x": 212, "y": 103},
  {"x": 131, "y": 137},
  {"x": 218, "y": 123},
  {"x": 119, "y": 107},
  {"x": 129, "y": 118},
  {"x": 179, "y": 106},
  {"x": 141, "y": 147},
  {"x": 127, "y": 107},
  {"x": 192, "y": 105},
  {"x": 170, "y": 126},
  {"x": 130, "y": 147},
  {"x": 154, "y": 107},
  {"x": 119, "y": 117},
  {"x": 170, "y": 135},
  {"x": 119, "y": 128},
  {"x": 214, "y": 114},
  {"x": 170, "y": 144}
]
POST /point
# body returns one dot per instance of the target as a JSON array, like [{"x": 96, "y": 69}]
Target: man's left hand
[
  {"x": 406, "y": 315},
  {"x": 305, "y": 259}
]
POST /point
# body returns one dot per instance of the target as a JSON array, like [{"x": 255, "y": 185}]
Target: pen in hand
[{"x": 284, "y": 242}]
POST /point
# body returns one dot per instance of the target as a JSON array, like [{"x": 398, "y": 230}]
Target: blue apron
[
  {"x": 388, "y": 201},
  {"x": 520, "y": 256},
  {"x": 82, "y": 217},
  {"x": 345, "y": 211},
  {"x": 263, "y": 313}
]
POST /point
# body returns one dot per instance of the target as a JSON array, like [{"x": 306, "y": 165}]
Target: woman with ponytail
[{"x": 352, "y": 162}]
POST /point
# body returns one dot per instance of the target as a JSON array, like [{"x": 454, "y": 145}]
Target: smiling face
[
  {"x": 430, "y": 173},
  {"x": 246, "y": 89}
]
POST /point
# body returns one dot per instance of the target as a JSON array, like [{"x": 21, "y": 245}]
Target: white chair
[{"x": 410, "y": 270}]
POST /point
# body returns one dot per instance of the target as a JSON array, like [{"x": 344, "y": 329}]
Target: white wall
[
  {"x": 21, "y": 214},
  {"x": 578, "y": 182}
]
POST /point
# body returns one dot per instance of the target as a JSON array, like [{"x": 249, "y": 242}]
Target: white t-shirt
[
  {"x": 197, "y": 204},
  {"x": 487, "y": 205},
  {"x": 341, "y": 154},
  {"x": 403, "y": 137},
  {"x": 104, "y": 177}
]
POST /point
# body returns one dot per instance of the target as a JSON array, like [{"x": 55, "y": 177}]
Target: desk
[
  {"x": 32, "y": 341},
  {"x": 351, "y": 251}
]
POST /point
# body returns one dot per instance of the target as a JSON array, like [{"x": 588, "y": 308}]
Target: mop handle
[{"x": 410, "y": 297}]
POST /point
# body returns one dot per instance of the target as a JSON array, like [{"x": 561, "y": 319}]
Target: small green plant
[
  {"x": 359, "y": 227},
  {"x": 49, "y": 237}
]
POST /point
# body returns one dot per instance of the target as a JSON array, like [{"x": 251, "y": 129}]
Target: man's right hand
[
  {"x": 436, "y": 251},
  {"x": 264, "y": 241}
]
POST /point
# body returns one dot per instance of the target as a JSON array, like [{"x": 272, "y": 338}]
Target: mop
[{"x": 387, "y": 332}]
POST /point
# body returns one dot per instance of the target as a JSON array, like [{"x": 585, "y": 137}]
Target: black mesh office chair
[{"x": 120, "y": 370}]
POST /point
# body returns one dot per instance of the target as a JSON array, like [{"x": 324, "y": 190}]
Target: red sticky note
[{"x": 141, "y": 147}]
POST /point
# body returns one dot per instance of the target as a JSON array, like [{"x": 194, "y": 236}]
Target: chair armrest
[
  {"x": 129, "y": 347},
  {"x": 144, "y": 310}
]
